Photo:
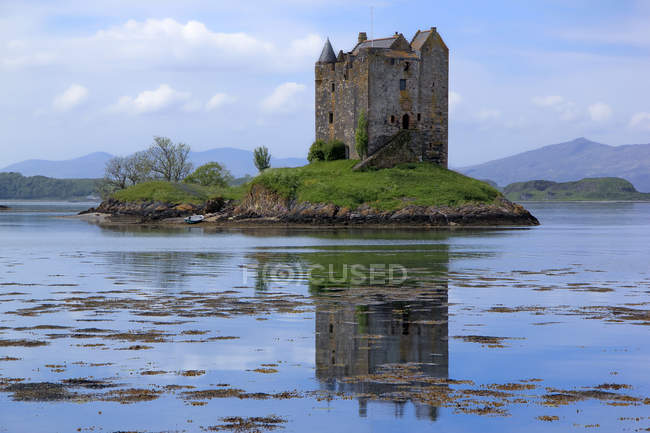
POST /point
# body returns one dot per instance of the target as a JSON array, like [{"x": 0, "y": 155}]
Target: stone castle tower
[{"x": 403, "y": 89}]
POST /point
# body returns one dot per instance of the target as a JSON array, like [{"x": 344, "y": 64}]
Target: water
[{"x": 177, "y": 329}]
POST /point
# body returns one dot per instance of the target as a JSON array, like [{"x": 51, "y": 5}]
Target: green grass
[
  {"x": 176, "y": 193},
  {"x": 591, "y": 189},
  {"x": 388, "y": 189}
]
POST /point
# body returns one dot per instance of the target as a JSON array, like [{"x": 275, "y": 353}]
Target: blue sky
[{"x": 79, "y": 76}]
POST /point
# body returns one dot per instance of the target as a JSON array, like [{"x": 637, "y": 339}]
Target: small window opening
[
  {"x": 333, "y": 66},
  {"x": 406, "y": 66},
  {"x": 433, "y": 84},
  {"x": 392, "y": 119},
  {"x": 331, "y": 117},
  {"x": 405, "y": 121},
  {"x": 392, "y": 61},
  {"x": 332, "y": 87},
  {"x": 419, "y": 116},
  {"x": 402, "y": 84}
]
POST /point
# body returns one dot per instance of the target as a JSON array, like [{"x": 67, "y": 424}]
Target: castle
[{"x": 403, "y": 89}]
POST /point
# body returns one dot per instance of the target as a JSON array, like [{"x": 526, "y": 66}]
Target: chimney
[{"x": 362, "y": 37}]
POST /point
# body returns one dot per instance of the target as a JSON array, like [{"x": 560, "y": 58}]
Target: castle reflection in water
[
  {"x": 365, "y": 329},
  {"x": 357, "y": 340}
]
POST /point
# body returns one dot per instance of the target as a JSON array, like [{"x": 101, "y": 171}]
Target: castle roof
[
  {"x": 419, "y": 39},
  {"x": 375, "y": 43},
  {"x": 327, "y": 55}
]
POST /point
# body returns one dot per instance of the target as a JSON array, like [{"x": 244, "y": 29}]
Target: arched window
[{"x": 405, "y": 121}]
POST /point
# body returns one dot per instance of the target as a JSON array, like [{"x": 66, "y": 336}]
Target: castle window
[
  {"x": 405, "y": 121},
  {"x": 332, "y": 87},
  {"x": 333, "y": 66},
  {"x": 392, "y": 119},
  {"x": 402, "y": 84},
  {"x": 419, "y": 117},
  {"x": 433, "y": 84},
  {"x": 392, "y": 61},
  {"x": 406, "y": 66},
  {"x": 331, "y": 117}
]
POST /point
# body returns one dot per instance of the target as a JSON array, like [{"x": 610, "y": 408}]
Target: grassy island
[
  {"x": 335, "y": 182},
  {"x": 591, "y": 189}
]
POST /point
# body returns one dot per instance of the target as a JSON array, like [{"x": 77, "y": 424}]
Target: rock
[
  {"x": 261, "y": 203},
  {"x": 214, "y": 205},
  {"x": 184, "y": 207}
]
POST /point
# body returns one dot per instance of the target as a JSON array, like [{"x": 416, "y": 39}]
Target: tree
[
  {"x": 138, "y": 167},
  {"x": 115, "y": 173},
  {"x": 169, "y": 161},
  {"x": 361, "y": 136},
  {"x": 210, "y": 174},
  {"x": 262, "y": 158}
]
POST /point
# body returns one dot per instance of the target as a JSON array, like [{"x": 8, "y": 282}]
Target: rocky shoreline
[{"x": 263, "y": 207}]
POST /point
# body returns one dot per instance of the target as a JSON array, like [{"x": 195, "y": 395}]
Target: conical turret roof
[{"x": 327, "y": 55}]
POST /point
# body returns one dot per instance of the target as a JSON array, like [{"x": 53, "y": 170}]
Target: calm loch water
[{"x": 204, "y": 329}]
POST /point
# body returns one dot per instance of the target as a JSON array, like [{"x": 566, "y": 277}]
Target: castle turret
[{"x": 327, "y": 55}]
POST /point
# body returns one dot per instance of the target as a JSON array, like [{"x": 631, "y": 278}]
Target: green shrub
[
  {"x": 316, "y": 151},
  {"x": 334, "y": 150},
  {"x": 361, "y": 136}
]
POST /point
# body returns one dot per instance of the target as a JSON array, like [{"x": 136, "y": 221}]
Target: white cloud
[
  {"x": 150, "y": 101},
  {"x": 548, "y": 101},
  {"x": 600, "y": 112},
  {"x": 73, "y": 96},
  {"x": 487, "y": 115},
  {"x": 218, "y": 101},
  {"x": 166, "y": 43},
  {"x": 641, "y": 121},
  {"x": 193, "y": 44},
  {"x": 180, "y": 41},
  {"x": 566, "y": 109},
  {"x": 286, "y": 98},
  {"x": 454, "y": 100}
]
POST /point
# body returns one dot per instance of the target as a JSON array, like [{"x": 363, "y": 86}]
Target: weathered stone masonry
[{"x": 400, "y": 85}]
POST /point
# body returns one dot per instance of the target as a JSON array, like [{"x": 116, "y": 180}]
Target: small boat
[{"x": 194, "y": 219}]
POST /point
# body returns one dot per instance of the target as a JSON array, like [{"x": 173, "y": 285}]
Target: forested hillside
[{"x": 17, "y": 186}]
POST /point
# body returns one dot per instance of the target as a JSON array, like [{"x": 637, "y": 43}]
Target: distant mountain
[
  {"x": 601, "y": 189},
  {"x": 238, "y": 161},
  {"x": 570, "y": 161},
  {"x": 85, "y": 167}
]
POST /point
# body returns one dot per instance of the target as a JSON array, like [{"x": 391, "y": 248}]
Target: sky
[{"x": 84, "y": 76}]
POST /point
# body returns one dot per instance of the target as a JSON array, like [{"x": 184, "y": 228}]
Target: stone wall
[{"x": 346, "y": 102}]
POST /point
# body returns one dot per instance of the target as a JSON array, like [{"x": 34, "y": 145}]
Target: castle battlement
[{"x": 400, "y": 85}]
